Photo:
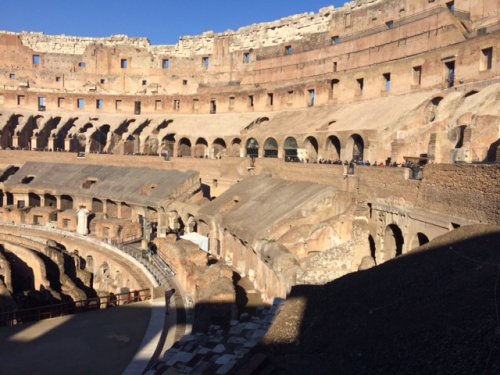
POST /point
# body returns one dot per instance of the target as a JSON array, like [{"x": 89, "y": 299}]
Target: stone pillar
[
  {"x": 58, "y": 202},
  {"x": 42, "y": 200},
  {"x": 52, "y": 145},
  {"x": 34, "y": 143},
  {"x": 67, "y": 144},
  {"x": 15, "y": 141},
  {"x": 176, "y": 149},
  {"x": 82, "y": 224}
]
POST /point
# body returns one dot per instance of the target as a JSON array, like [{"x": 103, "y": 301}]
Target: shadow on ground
[{"x": 432, "y": 311}]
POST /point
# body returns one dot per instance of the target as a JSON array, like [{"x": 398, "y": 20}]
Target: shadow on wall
[{"x": 420, "y": 313}]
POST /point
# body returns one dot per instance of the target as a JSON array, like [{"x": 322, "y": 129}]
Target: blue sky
[{"x": 162, "y": 21}]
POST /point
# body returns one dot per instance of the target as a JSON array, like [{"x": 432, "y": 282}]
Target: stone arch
[
  {"x": 98, "y": 139},
  {"x": 50, "y": 200},
  {"x": 126, "y": 211},
  {"x": 270, "y": 148},
  {"x": 290, "y": 146},
  {"x": 373, "y": 247},
  {"x": 167, "y": 144},
  {"x": 44, "y": 135},
  {"x": 34, "y": 200},
  {"x": 236, "y": 147},
  {"x": 8, "y": 130},
  {"x": 201, "y": 148},
  {"x": 26, "y": 132},
  {"x": 219, "y": 147},
  {"x": 393, "y": 243},
  {"x": 432, "y": 108},
  {"x": 184, "y": 147},
  {"x": 355, "y": 148},
  {"x": 311, "y": 146},
  {"x": 111, "y": 208},
  {"x": 252, "y": 148},
  {"x": 97, "y": 205},
  {"x": 130, "y": 145},
  {"x": 66, "y": 202},
  {"x": 333, "y": 148},
  {"x": 419, "y": 240}
]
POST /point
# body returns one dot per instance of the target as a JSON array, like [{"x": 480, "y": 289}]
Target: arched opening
[
  {"x": 236, "y": 148},
  {"x": 62, "y": 134},
  {"x": 358, "y": 147},
  {"x": 333, "y": 148},
  {"x": 270, "y": 148},
  {"x": 219, "y": 147},
  {"x": 8, "y": 131},
  {"x": 419, "y": 240},
  {"x": 311, "y": 147},
  {"x": 252, "y": 148},
  {"x": 126, "y": 211},
  {"x": 373, "y": 248},
  {"x": 460, "y": 135},
  {"x": 97, "y": 205},
  {"x": 50, "y": 200},
  {"x": 43, "y": 136},
  {"x": 393, "y": 243},
  {"x": 432, "y": 108},
  {"x": 66, "y": 202},
  {"x": 27, "y": 131},
  {"x": 98, "y": 139},
  {"x": 470, "y": 93},
  {"x": 33, "y": 200},
  {"x": 493, "y": 154},
  {"x": 111, "y": 208},
  {"x": 201, "y": 148},
  {"x": 168, "y": 143},
  {"x": 10, "y": 198},
  {"x": 290, "y": 148},
  {"x": 184, "y": 147},
  {"x": 130, "y": 145}
]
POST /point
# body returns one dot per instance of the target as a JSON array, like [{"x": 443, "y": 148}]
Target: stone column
[
  {"x": 67, "y": 144},
  {"x": 34, "y": 143},
  {"x": 82, "y": 224},
  {"x": 15, "y": 141}
]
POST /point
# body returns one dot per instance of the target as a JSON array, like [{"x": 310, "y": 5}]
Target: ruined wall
[{"x": 393, "y": 36}]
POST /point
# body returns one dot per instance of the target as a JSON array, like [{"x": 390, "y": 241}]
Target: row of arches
[
  {"x": 67, "y": 135},
  {"x": 354, "y": 148},
  {"x": 393, "y": 243}
]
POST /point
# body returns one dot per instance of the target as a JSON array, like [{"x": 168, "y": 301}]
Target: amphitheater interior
[{"x": 237, "y": 167}]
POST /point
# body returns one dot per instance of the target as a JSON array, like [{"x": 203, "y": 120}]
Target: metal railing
[{"x": 12, "y": 318}]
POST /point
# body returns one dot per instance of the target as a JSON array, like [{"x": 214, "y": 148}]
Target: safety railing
[{"x": 12, "y": 318}]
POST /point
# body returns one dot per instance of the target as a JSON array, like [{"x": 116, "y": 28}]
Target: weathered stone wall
[{"x": 420, "y": 34}]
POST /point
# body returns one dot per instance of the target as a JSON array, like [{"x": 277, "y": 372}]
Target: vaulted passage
[
  {"x": 270, "y": 148},
  {"x": 355, "y": 148},
  {"x": 393, "y": 243},
  {"x": 333, "y": 148},
  {"x": 219, "y": 147},
  {"x": 99, "y": 138},
  {"x": 311, "y": 147},
  {"x": 291, "y": 147},
  {"x": 252, "y": 148},
  {"x": 236, "y": 147},
  {"x": 201, "y": 148},
  {"x": 184, "y": 147}
]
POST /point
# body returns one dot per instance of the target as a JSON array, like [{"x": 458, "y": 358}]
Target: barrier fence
[{"x": 12, "y": 318}]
